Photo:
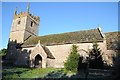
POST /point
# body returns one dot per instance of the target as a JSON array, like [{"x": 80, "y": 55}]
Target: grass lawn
[
  {"x": 10, "y": 72},
  {"x": 15, "y": 72}
]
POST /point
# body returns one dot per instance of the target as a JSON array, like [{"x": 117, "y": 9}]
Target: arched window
[
  {"x": 31, "y": 24},
  {"x": 19, "y": 22}
]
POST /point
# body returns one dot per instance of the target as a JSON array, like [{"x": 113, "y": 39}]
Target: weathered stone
[{"x": 25, "y": 25}]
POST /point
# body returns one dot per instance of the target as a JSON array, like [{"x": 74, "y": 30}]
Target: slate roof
[{"x": 85, "y": 36}]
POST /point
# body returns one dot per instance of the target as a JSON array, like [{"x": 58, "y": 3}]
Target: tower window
[
  {"x": 31, "y": 24},
  {"x": 18, "y": 22}
]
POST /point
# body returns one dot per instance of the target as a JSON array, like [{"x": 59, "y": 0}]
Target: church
[{"x": 26, "y": 48}]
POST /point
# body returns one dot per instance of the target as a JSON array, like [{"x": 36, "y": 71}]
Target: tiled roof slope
[
  {"x": 65, "y": 38},
  {"x": 113, "y": 40}
]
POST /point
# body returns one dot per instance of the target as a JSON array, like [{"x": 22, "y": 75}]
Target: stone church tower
[
  {"x": 52, "y": 50},
  {"x": 24, "y": 26}
]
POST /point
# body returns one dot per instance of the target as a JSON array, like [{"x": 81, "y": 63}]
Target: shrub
[
  {"x": 96, "y": 57},
  {"x": 72, "y": 62},
  {"x": 3, "y": 52}
]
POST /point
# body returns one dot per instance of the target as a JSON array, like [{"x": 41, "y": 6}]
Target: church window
[
  {"x": 31, "y": 24},
  {"x": 18, "y": 22}
]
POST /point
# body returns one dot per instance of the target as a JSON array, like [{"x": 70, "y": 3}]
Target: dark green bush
[
  {"x": 72, "y": 62},
  {"x": 96, "y": 57},
  {"x": 3, "y": 52}
]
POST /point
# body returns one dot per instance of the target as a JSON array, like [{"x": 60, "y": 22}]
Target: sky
[{"x": 61, "y": 17}]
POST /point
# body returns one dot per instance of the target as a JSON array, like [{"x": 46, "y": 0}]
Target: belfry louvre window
[
  {"x": 31, "y": 24},
  {"x": 18, "y": 22}
]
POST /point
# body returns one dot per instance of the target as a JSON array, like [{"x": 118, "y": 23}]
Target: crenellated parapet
[
  {"x": 27, "y": 13},
  {"x": 25, "y": 25},
  {"x": 37, "y": 18},
  {"x": 23, "y": 14}
]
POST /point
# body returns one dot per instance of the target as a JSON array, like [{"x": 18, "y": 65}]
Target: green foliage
[
  {"x": 96, "y": 57},
  {"x": 72, "y": 62},
  {"x": 95, "y": 52},
  {"x": 14, "y": 72},
  {"x": 3, "y": 52}
]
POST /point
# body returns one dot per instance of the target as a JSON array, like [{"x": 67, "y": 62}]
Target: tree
[
  {"x": 72, "y": 62},
  {"x": 3, "y": 52},
  {"x": 96, "y": 57}
]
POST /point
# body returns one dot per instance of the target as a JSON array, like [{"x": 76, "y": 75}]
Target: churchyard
[{"x": 12, "y": 72}]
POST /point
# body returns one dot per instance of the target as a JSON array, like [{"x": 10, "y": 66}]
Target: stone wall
[
  {"x": 21, "y": 27},
  {"x": 18, "y": 29},
  {"x": 38, "y": 50},
  {"x": 33, "y": 29},
  {"x": 61, "y": 52},
  {"x": 110, "y": 57},
  {"x": 50, "y": 63},
  {"x": 22, "y": 58}
]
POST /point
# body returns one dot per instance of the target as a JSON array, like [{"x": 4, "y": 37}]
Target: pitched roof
[
  {"x": 113, "y": 40},
  {"x": 47, "y": 51},
  {"x": 65, "y": 38}
]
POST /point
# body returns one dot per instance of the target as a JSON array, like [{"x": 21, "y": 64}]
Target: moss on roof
[
  {"x": 63, "y": 38},
  {"x": 47, "y": 51},
  {"x": 113, "y": 40}
]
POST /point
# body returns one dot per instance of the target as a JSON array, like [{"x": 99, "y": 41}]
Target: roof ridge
[
  {"x": 67, "y": 32},
  {"x": 68, "y": 37}
]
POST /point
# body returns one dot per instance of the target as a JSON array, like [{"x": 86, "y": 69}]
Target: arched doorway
[{"x": 38, "y": 61}]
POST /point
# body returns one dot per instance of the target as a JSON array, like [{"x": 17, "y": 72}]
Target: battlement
[
  {"x": 27, "y": 13},
  {"x": 23, "y": 14},
  {"x": 25, "y": 25}
]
